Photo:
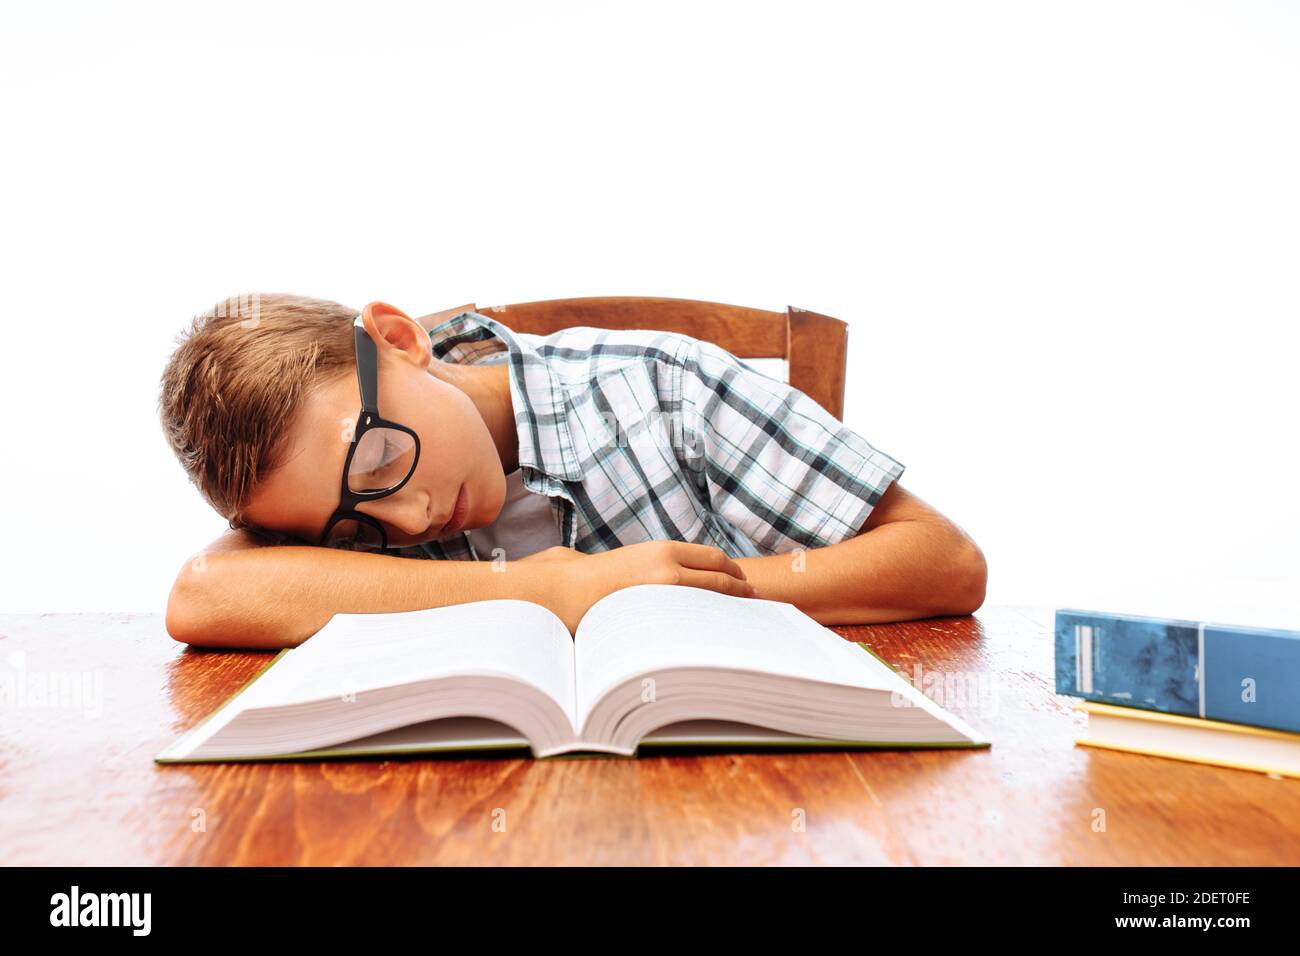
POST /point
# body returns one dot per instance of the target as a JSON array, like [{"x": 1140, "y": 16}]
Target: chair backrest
[{"x": 814, "y": 346}]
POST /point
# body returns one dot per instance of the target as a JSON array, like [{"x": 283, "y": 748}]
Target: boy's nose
[
  {"x": 409, "y": 517},
  {"x": 414, "y": 519}
]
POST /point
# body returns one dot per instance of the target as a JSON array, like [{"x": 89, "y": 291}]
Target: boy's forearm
[
  {"x": 274, "y": 597},
  {"x": 899, "y": 571}
]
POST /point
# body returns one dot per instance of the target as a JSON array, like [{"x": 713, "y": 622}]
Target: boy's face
[{"x": 456, "y": 447}]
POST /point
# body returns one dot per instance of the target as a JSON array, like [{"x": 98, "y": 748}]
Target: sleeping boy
[{"x": 339, "y": 444}]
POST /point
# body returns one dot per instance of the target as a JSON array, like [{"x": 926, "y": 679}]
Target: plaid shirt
[{"x": 648, "y": 435}]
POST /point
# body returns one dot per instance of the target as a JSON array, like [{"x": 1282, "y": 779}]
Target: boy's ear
[
  {"x": 380, "y": 310},
  {"x": 388, "y": 323}
]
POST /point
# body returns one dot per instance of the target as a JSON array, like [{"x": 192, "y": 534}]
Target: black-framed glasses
[{"x": 381, "y": 459}]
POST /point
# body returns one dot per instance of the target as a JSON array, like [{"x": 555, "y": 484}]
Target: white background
[{"x": 1066, "y": 237}]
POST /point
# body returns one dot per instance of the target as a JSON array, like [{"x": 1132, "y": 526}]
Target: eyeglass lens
[
  {"x": 352, "y": 535},
  {"x": 383, "y": 459}
]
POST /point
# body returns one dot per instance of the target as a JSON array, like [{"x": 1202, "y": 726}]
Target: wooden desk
[{"x": 78, "y": 785}]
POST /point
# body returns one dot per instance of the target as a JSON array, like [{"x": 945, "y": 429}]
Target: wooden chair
[{"x": 814, "y": 346}]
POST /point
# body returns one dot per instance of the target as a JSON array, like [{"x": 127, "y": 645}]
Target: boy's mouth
[{"x": 459, "y": 511}]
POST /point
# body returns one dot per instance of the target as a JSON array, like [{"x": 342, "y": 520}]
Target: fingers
[
  {"x": 718, "y": 581},
  {"x": 705, "y": 558}
]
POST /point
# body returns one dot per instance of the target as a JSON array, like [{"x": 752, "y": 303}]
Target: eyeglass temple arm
[{"x": 367, "y": 367}]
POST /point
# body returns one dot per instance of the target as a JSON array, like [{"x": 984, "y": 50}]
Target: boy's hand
[{"x": 574, "y": 581}]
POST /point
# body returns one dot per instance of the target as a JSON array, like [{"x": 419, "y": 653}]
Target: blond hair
[{"x": 237, "y": 379}]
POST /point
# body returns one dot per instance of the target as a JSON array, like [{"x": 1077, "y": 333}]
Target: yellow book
[{"x": 1176, "y": 737}]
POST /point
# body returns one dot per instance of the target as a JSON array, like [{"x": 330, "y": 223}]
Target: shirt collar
[{"x": 539, "y": 398}]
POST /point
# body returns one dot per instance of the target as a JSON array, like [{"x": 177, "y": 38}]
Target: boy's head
[{"x": 260, "y": 398}]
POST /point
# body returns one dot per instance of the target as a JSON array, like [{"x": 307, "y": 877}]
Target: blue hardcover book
[{"x": 1245, "y": 675}]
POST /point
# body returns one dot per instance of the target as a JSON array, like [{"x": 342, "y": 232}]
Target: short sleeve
[{"x": 774, "y": 464}]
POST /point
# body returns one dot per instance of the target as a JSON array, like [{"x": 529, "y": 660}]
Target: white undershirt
[{"x": 525, "y": 525}]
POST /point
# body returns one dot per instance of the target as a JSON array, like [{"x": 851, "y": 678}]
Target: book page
[
  {"x": 648, "y": 627},
  {"x": 358, "y": 652}
]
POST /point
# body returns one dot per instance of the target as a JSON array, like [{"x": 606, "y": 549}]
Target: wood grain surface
[{"x": 78, "y": 785}]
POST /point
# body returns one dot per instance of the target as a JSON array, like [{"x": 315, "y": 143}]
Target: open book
[{"x": 650, "y": 665}]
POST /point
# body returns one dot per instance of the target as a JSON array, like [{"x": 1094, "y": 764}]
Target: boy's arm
[
  {"x": 907, "y": 562},
  {"x": 243, "y": 592}
]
